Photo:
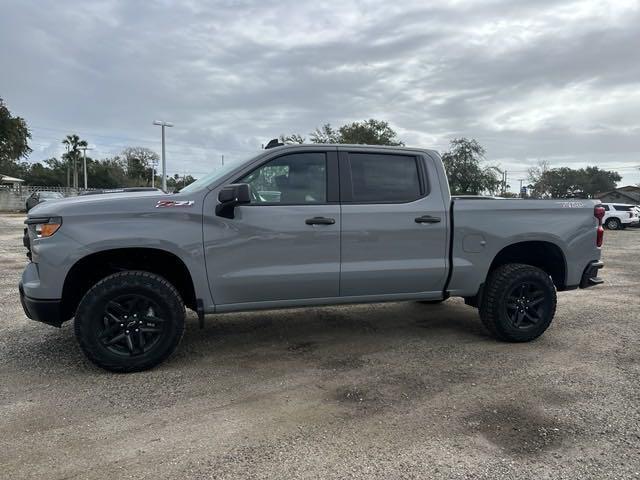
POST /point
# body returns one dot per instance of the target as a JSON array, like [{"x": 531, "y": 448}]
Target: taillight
[
  {"x": 598, "y": 212},
  {"x": 600, "y": 236}
]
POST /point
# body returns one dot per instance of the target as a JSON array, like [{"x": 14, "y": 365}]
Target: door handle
[
  {"x": 428, "y": 219},
  {"x": 320, "y": 221}
]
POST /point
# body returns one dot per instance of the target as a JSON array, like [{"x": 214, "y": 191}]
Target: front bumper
[
  {"x": 45, "y": 311},
  {"x": 590, "y": 275}
]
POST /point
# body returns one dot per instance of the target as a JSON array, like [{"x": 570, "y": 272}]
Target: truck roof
[{"x": 353, "y": 145}]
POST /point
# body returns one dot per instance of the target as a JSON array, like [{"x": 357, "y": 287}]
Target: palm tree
[{"x": 73, "y": 144}]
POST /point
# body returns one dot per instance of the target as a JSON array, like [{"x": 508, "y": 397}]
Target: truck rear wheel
[
  {"x": 518, "y": 303},
  {"x": 130, "y": 321}
]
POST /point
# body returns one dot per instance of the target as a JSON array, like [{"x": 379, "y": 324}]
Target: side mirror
[{"x": 231, "y": 196}]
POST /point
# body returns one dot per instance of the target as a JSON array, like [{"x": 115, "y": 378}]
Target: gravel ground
[{"x": 399, "y": 390}]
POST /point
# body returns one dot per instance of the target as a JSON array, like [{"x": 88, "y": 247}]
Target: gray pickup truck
[{"x": 299, "y": 226}]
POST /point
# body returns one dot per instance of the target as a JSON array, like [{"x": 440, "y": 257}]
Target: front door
[
  {"x": 285, "y": 245},
  {"x": 394, "y": 230}
]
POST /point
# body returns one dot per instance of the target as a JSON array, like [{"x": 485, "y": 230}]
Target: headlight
[{"x": 44, "y": 227}]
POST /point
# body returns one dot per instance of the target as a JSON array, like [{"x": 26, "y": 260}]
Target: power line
[
  {"x": 129, "y": 140},
  {"x": 54, "y": 141}
]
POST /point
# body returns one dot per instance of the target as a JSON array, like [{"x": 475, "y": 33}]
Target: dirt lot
[{"x": 372, "y": 391}]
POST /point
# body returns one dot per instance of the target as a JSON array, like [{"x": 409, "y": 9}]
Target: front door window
[{"x": 296, "y": 179}]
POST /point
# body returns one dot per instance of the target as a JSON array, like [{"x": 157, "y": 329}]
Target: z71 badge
[{"x": 174, "y": 203}]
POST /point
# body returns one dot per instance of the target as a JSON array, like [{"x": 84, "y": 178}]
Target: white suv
[{"x": 619, "y": 215}]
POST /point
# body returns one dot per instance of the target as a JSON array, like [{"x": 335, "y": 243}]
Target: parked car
[
  {"x": 636, "y": 209},
  {"x": 620, "y": 215},
  {"x": 42, "y": 196},
  {"x": 349, "y": 224}
]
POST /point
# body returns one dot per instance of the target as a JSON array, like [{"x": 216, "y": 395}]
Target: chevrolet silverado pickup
[{"x": 299, "y": 226}]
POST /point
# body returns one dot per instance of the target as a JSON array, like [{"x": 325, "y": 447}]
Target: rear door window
[{"x": 383, "y": 178}]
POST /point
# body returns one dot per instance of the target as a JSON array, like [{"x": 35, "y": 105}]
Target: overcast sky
[{"x": 529, "y": 80}]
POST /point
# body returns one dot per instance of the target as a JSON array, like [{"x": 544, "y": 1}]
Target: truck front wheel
[
  {"x": 130, "y": 321},
  {"x": 518, "y": 302}
]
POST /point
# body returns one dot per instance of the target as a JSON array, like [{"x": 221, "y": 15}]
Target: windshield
[{"x": 211, "y": 177}]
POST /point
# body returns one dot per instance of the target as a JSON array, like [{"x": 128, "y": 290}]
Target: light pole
[
  {"x": 163, "y": 124},
  {"x": 84, "y": 163}
]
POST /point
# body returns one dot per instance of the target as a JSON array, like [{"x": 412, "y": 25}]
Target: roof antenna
[{"x": 273, "y": 143}]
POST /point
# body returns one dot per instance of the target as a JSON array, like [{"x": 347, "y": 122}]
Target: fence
[{"x": 13, "y": 198}]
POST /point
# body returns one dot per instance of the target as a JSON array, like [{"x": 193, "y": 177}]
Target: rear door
[{"x": 394, "y": 228}]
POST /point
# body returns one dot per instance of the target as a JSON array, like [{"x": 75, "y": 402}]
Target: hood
[{"x": 103, "y": 203}]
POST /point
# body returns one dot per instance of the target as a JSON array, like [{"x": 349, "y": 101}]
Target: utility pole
[
  {"x": 84, "y": 164},
  {"x": 163, "y": 124}
]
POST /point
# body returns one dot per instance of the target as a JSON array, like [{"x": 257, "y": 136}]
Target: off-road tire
[
  {"x": 91, "y": 317},
  {"x": 498, "y": 294}
]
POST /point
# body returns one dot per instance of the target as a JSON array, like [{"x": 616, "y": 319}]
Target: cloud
[{"x": 530, "y": 80}]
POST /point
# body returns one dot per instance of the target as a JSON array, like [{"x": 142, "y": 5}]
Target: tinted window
[
  {"x": 298, "y": 178},
  {"x": 606, "y": 207},
  {"x": 625, "y": 208},
  {"x": 384, "y": 178}
]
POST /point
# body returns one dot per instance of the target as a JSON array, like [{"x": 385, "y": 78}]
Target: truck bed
[{"x": 482, "y": 229}]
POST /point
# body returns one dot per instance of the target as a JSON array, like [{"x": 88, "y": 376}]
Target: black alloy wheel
[
  {"x": 133, "y": 325},
  {"x": 130, "y": 321},
  {"x": 525, "y": 305}
]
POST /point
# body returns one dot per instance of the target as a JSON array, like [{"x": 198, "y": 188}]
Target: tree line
[
  {"x": 468, "y": 170},
  {"x": 133, "y": 167}
]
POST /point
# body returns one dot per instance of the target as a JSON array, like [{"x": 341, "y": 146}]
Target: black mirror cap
[
  {"x": 227, "y": 194},
  {"x": 235, "y": 192},
  {"x": 230, "y": 196},
  {"x": 243, "y": 193}
]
